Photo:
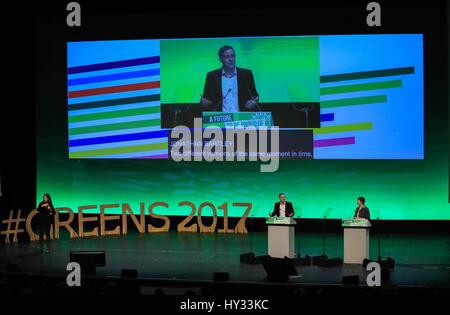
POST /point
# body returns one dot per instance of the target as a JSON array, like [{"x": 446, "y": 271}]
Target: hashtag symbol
[{"x": 10, "y": 222}]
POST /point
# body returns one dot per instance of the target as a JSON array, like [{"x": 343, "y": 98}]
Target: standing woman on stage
[{"x": 46, "y": 213}]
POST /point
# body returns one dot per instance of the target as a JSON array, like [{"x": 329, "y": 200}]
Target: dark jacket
[
  {"x": 213, "y": 89},
  {"x": 45, "y": 215},
  {"x": 364, "y": 213},
  {"x": 289, "y": 209}
]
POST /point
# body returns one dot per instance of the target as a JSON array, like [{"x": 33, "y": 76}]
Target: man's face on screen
[
  {"x": 282, "y": 198},
  {"x": 228, "y": 59}
]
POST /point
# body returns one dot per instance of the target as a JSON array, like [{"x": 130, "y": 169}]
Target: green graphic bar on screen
[
  {"x": 108, "y": 151},
  {"x": 343, "y": 128},
  {"x": 361, "y": 87},
  {"x": 117, "y": 126},
  {"x": 116, "y": 101},
  {"x": 366, "y": 74},
  {"x": 115, "y": 114},
  {"x": 354, "y": 101}
]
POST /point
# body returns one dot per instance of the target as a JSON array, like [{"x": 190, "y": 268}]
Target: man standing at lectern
[
  {"x": 283, "y": 208},
  {"x": 361, "y": 211},
  {"x": 229, "y": 89}
]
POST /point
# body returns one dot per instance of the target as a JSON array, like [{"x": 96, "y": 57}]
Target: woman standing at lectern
[
  {"x": 361, "y": 212},
  {"x": 46, "y": 212}
]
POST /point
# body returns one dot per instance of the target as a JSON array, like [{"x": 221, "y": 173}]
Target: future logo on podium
[
  {"x": 356, "y": 223},
  {"x": 283, "y": 220}
]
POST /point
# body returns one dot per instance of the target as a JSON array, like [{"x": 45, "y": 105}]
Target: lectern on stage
[
  {"x": 281, "y": 237},
  {"x": 356, "y": 240}
]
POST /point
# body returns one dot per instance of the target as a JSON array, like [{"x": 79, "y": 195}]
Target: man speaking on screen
[{"x": 229, "y": 89}]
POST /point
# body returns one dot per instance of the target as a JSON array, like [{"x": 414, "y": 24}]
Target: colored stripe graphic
[
  {"x": 109, "y": 151},
  {"x": 117, "y": 145},
  {"x": 117, "y": 101},
  {"x": 115, "y": 114},
  {"x": 343, "y": 128},
  {"x": 361, "y": 87},
  {"x": 160, "y": 156},
  {"x": 354, "y": 101},
  {"x": 113, "y": 64},
  {"x": 366, "y": 74},
  {"x": 334, "y": 142},
  {"x": 120, "y": 138},
  {"x": 115, "y": 89},
  {"x": 132, "y": 155},
  {"x": 116, "y": 126},
  {"x": 110, "y": 121},
  {"x": 327, "y": 117},
  {"x": 113, "y": 108},
  {"x": 113, "y": 132},
  {"x": 114, "y": 77}
]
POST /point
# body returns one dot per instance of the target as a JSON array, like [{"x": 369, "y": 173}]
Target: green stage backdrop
[{"x": 395, "y": 189}]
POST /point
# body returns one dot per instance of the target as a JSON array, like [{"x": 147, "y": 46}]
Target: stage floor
[{"x": 421, "y": 260}]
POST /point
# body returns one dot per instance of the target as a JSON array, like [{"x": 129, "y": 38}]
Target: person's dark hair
[
  {"x": 362, "y": 199},
  {"x": 49, "y": 199},
  {"x": 279, "y": 195},
  {"x": 223, "y": 49}
]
